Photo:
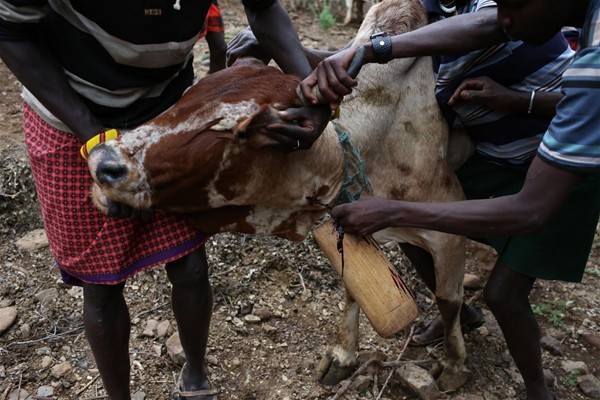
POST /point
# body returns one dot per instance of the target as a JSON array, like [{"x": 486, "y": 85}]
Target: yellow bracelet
[
  {"x": 336, "y": 113},
  {"x": 96, "y": 140}
]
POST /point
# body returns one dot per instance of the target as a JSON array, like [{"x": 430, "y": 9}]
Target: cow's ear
[{"x": 253, "y": 128}]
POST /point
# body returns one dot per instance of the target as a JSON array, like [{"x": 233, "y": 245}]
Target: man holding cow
[
  {"x": 547, "y": 220},
  {"x": 88, "y": 73}
]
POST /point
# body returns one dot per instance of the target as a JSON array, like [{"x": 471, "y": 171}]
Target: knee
[
  {"x": 191, "y": 270},
  {"x": 494, "y": 296},
  {"x": 98, "y": 297},
  {"x": 501, "y": 297},
  {"x": 102, "y": 303},
  {"x": 507, "y": 290}
]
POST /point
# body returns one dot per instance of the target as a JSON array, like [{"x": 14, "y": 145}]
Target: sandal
[
  {"x": 179, "y": 392},
  {"x": 432, "y": 332}
]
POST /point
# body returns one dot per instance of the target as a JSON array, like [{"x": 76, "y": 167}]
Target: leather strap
[{"x": 382, "y": 47}]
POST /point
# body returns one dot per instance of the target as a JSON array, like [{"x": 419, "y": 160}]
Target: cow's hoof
[
  {"x": 451, "y": 379},
  {"x": 331, "y": 372}
]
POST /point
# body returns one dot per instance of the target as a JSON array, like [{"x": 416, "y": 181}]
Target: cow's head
[{"x": 207, "y": 157}]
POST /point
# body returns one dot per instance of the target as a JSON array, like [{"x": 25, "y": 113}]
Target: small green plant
[
  {"x": 571, "y": 379},
  {"x": 554, "y": 311},
  {"x": 595, "y": 272},
  {"x": 322, "y": 11},
  {"x": 326, "y": 18},
  {"x": 363, "y": 391}
]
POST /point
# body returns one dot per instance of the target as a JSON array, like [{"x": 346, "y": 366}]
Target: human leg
[
  {"x": 217, "y": 48},
  {"x": 107, "y": 327},
  {"x": 215, "y": 38},
  {"x": 507, "y": 295},
  {"x": 192, "y": 303}
]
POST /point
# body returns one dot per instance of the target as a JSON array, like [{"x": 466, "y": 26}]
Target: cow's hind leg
[
  {"x": 340, "y": 361},
  {"x": 443, "y": 270}
]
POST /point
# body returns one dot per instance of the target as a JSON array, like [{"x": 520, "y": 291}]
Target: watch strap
[{"x": 382, "y": 47}]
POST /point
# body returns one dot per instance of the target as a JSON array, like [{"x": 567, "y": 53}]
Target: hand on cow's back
[
  {"x": 245, "y": 44},
  {"x": 299, "y": 127}
]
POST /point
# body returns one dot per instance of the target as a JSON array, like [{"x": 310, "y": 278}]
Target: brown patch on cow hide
[
  {"x": 399, "y": 192},
  {"x": 405, "y": 169},
  {"x": 215, "y": 220},
  {"x": 409, "y": 128},
  {"x": 172, "y": 166},
  {"x": 267, "y": 85}
]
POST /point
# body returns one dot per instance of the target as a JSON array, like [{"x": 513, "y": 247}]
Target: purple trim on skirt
[{"x": 162, "y": 257}]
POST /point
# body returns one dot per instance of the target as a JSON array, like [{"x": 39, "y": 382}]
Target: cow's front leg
[{"x": 340, "y": 361}]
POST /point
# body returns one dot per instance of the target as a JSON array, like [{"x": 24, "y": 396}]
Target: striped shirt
[
  {"x": 510, "y": 139},
  {"x": 573, "y": 138},
  {"x": 127, "y": 60}
]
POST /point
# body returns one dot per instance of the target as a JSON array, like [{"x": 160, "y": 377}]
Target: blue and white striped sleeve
[
  {"x": 485, "y": 3},
  {"x": 573, "y": 138}
]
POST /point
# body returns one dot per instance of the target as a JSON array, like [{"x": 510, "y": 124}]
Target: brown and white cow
[{"x": 206, "y": 157}]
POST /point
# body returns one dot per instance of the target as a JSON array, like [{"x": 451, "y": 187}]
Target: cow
[
  {"x": 208, "y": 157},
  {"x": 355, "y": 8}
]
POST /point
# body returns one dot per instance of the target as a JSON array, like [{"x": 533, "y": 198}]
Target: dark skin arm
[
  {"x": 246, "y": 45},
  {"x": 456, "y": 35},
  {"x": 545, "y": 189},
  {"x": 485, "y": 91},
  {"x": 49, "y": 85},
  {"x": 275, "y": 32},
  {"x": 278, "y": 40}
]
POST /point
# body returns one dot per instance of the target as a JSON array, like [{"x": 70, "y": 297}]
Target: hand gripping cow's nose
[{"x": 109, "y": 170}]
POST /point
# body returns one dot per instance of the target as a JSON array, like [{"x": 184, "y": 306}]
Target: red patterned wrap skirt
[{"x": 89, "y": 246}]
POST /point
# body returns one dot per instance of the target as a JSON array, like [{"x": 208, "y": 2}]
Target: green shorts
[{"x": 559, "y": 251}]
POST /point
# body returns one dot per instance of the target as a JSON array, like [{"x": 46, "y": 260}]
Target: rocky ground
[{"x": 276, "y": 305}]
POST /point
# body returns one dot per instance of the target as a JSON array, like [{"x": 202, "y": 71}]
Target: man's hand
[
  {"x": 301, "y": 127},
  {"x": 485, "y": 91},
  {"x": 245, "y": 44},
  {"x": 364, "y": 216},
  {"x": 331, "y": 77}
]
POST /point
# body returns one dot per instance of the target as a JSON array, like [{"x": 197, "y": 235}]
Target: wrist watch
[{"x": 382, "y": 47}]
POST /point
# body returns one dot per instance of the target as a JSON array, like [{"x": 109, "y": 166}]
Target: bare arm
[
  {"x": 246, "y": 45},
  {"x": 485, "y": 91},
  {"x": 43, "y": 77},
  {"x": 275, "y": 32},
  {"x": 545, "y": 189},
  {"x": 456, "y": 35}
]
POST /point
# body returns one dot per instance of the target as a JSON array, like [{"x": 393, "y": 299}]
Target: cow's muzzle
[{"x": 108, "y": 169}]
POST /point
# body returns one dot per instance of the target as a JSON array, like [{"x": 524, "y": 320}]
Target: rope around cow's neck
[{"x": 355, "y": 181}]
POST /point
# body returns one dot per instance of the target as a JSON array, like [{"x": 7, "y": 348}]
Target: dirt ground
[{"x": 291, "y": 286}]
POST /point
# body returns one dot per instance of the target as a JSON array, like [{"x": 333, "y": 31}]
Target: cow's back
[{"x": 394, "y": 119}]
